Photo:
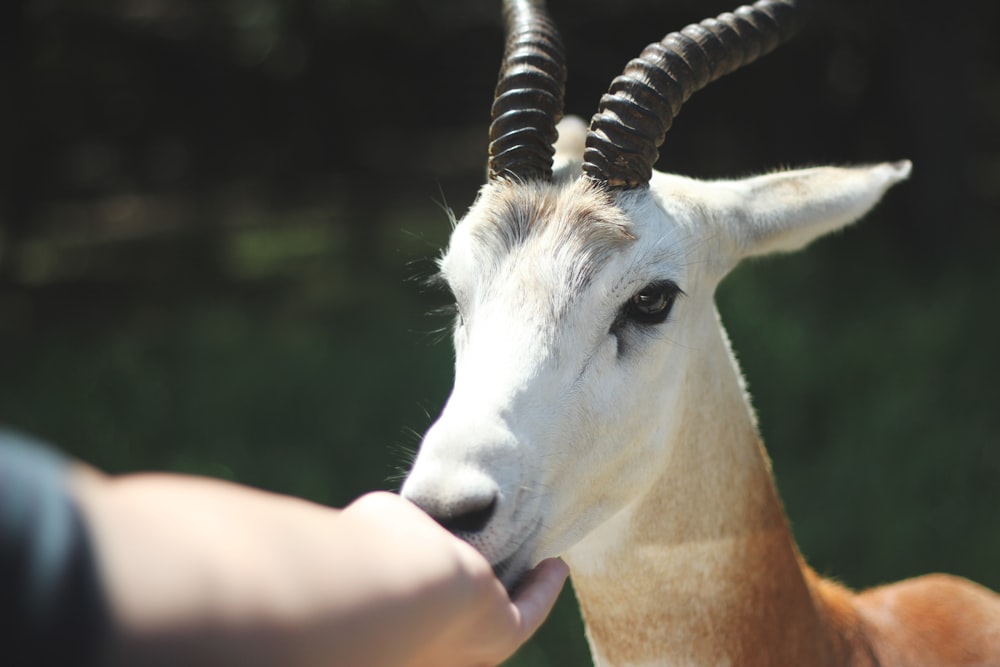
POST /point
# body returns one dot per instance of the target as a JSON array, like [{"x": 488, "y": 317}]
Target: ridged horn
[
  {"x": 529, "y": 95},
  {"x": 633, "y": 117}
]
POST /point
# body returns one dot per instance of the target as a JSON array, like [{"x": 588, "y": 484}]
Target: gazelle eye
[{"x": 652, "y": 304}]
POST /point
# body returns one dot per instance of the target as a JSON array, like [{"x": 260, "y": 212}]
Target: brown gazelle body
[{"x": 598, "y": 413}]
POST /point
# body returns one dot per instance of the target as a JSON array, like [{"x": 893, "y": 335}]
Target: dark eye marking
[{"x": 649, "y": 306}]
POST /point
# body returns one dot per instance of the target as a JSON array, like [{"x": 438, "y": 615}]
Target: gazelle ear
[{"x": 784, "y": 211}]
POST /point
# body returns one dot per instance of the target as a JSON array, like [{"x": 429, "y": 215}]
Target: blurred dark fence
[{"x": 214, "y": 217}]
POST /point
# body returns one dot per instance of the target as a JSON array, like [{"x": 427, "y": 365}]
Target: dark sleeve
[{"x": 52, "y": 610}]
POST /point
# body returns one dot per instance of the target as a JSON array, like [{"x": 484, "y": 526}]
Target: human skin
[{"x": 201, "y": 571}]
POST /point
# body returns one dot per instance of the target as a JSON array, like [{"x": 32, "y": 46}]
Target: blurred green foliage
[{"x": 216, "y": 219}]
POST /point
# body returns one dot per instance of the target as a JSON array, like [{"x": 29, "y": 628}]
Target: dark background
[{"x": 215, "y": 218}]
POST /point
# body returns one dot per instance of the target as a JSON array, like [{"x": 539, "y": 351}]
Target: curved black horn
[
  {"x": 635, "y": 114},
  {"x": 529, "y": 95}
]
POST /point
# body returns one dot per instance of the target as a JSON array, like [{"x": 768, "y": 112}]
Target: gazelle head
[{"x": 586, "y": 326}]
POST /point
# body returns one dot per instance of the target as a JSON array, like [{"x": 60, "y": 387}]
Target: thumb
[{"x": 537, "y": 593}]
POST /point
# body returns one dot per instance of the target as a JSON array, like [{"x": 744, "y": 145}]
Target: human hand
[{"x": 453, "y": 611}]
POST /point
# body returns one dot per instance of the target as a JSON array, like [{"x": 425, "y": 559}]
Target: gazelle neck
[{"x": 702, "y": 568}]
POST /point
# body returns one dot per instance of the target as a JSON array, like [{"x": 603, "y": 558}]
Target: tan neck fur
[{"x": 703, "y": 569}]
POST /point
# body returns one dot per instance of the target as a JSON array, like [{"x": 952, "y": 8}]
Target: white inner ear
[{"x": 784, "y": 211}]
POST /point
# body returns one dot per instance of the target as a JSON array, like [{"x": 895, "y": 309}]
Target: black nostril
[{"x": 469, "y": 519}]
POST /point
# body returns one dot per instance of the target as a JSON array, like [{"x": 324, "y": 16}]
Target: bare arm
[{"x": 201, "y": 571}]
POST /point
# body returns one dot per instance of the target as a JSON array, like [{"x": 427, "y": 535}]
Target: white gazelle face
[
  {"x": 577, "y": 313},
  {"x": 587, "y": 332}
]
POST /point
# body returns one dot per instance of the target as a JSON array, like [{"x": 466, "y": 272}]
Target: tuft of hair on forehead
[{"x": 577, "y": 218}]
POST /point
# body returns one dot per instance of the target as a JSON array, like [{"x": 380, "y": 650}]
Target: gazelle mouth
[{"x": 513, "y": 567}]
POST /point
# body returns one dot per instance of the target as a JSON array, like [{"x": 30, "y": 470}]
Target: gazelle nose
[
  {"x": 468, "y": 516},
  {"x": 460, "y": 498}
]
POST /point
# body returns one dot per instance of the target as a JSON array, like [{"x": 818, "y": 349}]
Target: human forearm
[
  {"x": 196, "y": 570},
  {"x": 200, "y": 571}
]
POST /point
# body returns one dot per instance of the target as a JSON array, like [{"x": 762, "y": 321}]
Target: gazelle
[{"x": 597, "y": 411}]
